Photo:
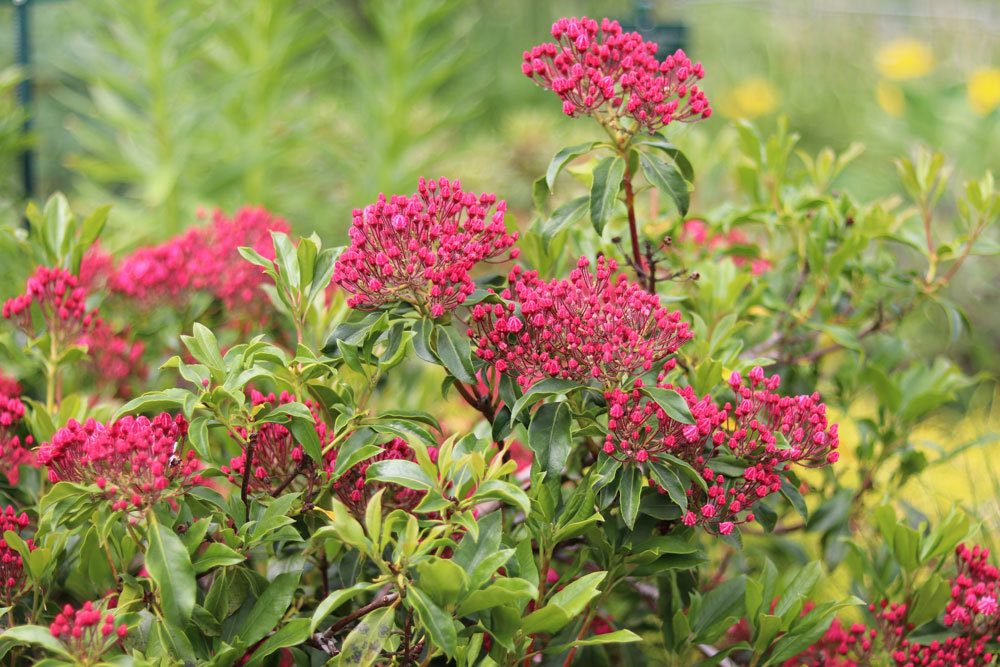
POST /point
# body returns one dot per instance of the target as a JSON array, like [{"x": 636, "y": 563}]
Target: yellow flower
[
  {"x": 903, "y": 59},
  {"x": 750, "y": 99},
  {"x": 983, "y": 90},
  {"x": 890, "y": 98}
]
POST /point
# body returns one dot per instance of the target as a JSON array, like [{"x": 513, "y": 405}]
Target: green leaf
[
  {"x": 170, "y": 568},
  {"x": 608, "y": 177},
  {"x": 363, "y": 645},
  {"x": 549, "y": 437},
  {"x": 154, "y": 401},
  {"x": 564, "y": 605},
  {"x": 616, "y": 637},
  {"x": 439, "y": 624},
  {"x": 539, "y": 390},
  {"x": 204, "y": 347},
  {"x": 335, "y": 600},
  {"x": 629, "y": 492},
  {"x": 286, "y": 258},
  {"x": 667, "y": 179},
  {"x": 215, "y": 555},
  {"x": 791, "y": 492},
  {"x": 540, "y": 194},
  {"x": 720, "y": 603},
  {"x": 442, "y": 579},
  {"x": 292, "y": 633},
  {"x": 564, "y": 157},
  {"x": 269, "y": 608},
  {"x": 563, "y": 217},
  {"x": 501, "y": 591},
  {"x": 358, "y": 447},
  {"x": 398, "y": 471},
  {"x": 672, "y": 403},
  {"x": 454, "y": 352},
  {"x": 34, "y": 634},
  {"x": 799, "y": 588},
  {"x": 497, "y": 488},
  {"x": 669, "y": 480},
  {"x": 680, "y": 160},
  {"x": 304, "y": 432}
]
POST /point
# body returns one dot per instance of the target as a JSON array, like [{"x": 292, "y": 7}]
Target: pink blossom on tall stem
[
  {"x": 597, "y": 68},
  {"x": 595, "y": 325},
  {"x": 134, "y": 461},
  {"x": 59, "y": 299},
  {"x": 89, "y": 632},
  {"x": 420, "y": 249},
  {"x": 13, "y": 453},
  {"x": 278, "y": 459},
  {"x": 13, "y": 579},
  {"x": 204, "y": 259},
  {"x": 116, "y": 358},
  {"x": 353, "y": 489}
]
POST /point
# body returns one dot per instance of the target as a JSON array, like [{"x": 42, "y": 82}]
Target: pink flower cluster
[
  {"x": 12, "y": 576},
  {"x": 116, "y": 358},
  {"x": 355, "y": 491},
  {"x": 277, "y": 457},
  {"x": 600, "y": 68},
  {"x": 133, "y": 461},
  {"x": 13, "y": 453},
  {"x": 761, "y": 431},
  {"x": 88, "y": 632},
  {"x": 204, "y": 259},
  {"x": 697, "y": 232},
  {"x": 972, "y": 614},
  {"x": 975, "y": 593},
  {"x": 59, "y": 298},
  {"x": 420, "y": 249},
  {"x": 595, "y": 325}
]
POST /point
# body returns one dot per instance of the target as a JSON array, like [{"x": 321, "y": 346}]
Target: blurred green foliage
[{"x": 312, "y": 107}]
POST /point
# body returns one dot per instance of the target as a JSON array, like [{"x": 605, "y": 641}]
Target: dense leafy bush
[{"x": 624, "y": 456}]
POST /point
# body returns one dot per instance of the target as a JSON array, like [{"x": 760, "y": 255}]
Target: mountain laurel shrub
[{"x": 458, "y": 440}]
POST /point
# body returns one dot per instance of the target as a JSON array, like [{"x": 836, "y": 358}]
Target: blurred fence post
[
  {"x": 668, "y": 36},
  {"x": 22, "y": 41}
]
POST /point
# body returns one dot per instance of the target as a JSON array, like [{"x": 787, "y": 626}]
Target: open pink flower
[
  {"x": 595, "y": 325},
  {"x": 420, "y": 249}
]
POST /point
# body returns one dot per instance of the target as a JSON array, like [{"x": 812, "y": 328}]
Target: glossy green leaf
[
  {"x": 667, "y": 179},
  {"x": 608, "y": 177},
  {"x": 170, "y": 569}
]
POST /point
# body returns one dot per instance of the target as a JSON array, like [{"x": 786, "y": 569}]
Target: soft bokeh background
[{"x": 312, "y": 107}]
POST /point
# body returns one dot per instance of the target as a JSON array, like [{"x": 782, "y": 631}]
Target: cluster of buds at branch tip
[
  {"x": 598, "y": 69},
  {"x": 595, "y": 325},
  {"x": 133, "y": 461},
  {"x": 420, "y": 249},
  {"x": 13, "y": 578}
]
